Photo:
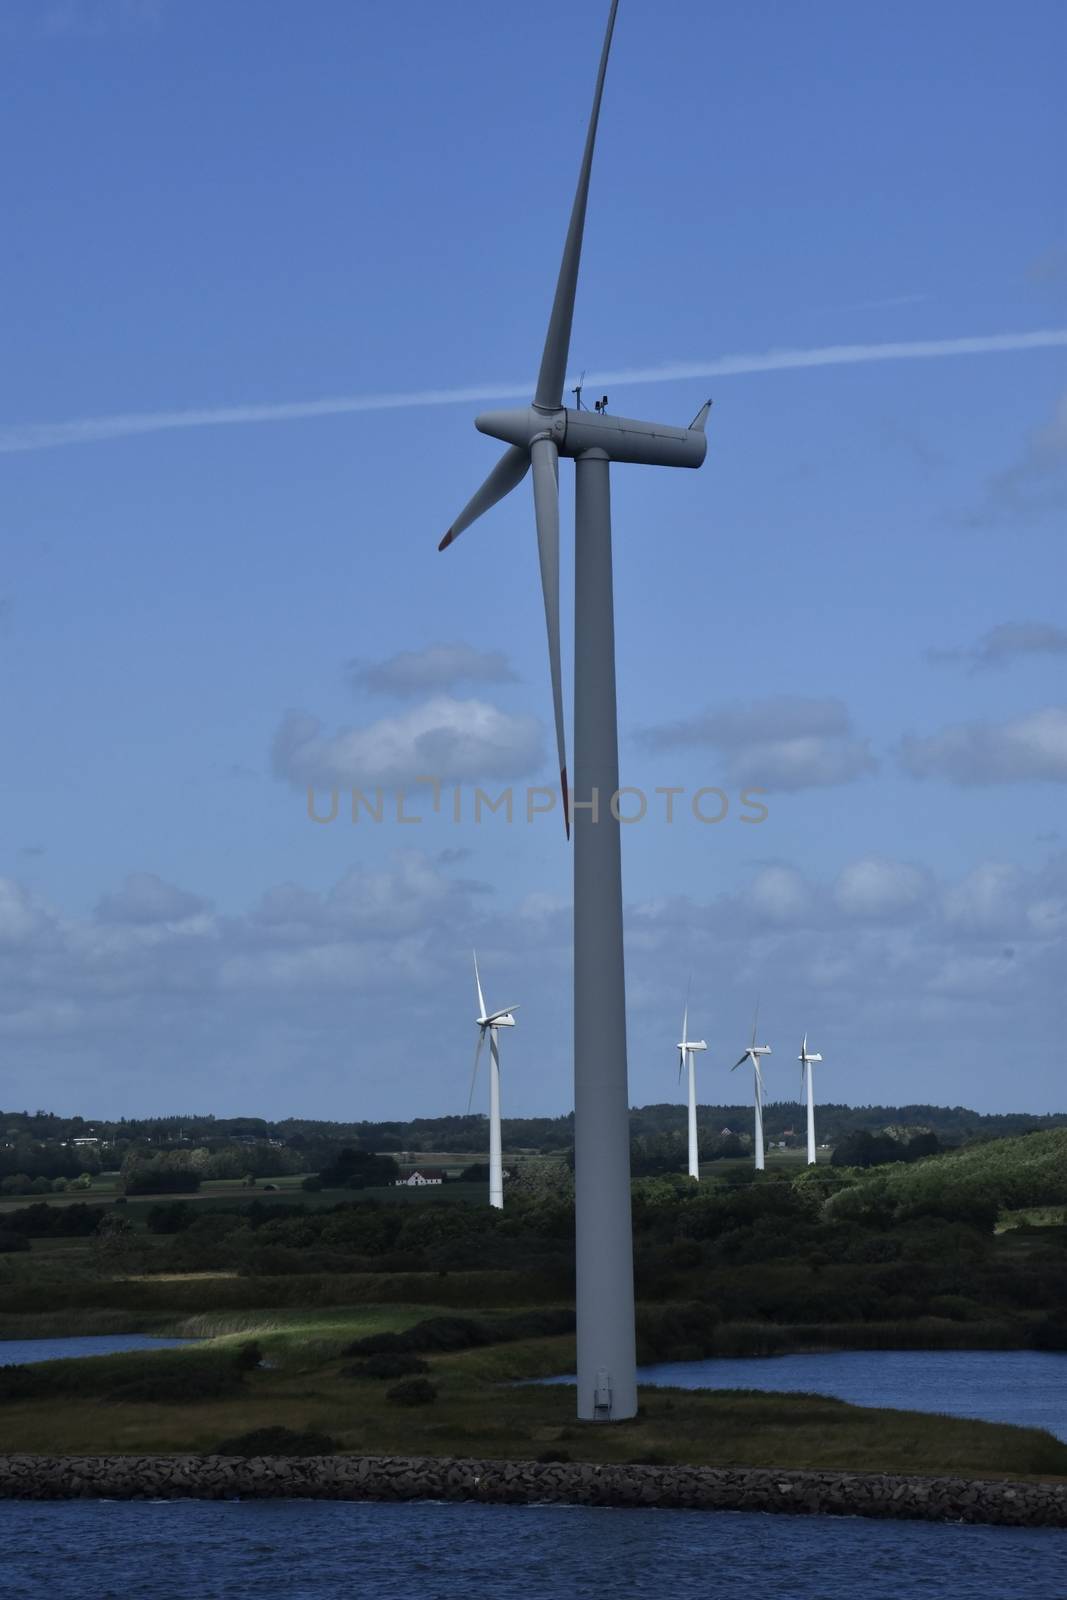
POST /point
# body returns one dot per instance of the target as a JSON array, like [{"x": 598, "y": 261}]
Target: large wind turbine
[
  {"x": 753, "y": 1054},
  {"x": 808, "y": 1087},
  {"x": 488, "y": 1022},
  {"x": 686, "y": 1049},
  {"x": 537, "y": 436}
]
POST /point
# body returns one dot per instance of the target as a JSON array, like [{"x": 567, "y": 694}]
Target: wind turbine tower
[
  {"x": 686, "y": 1058},
  {"x": 808, "y": 1088},
  {"x": 488, "y": 1023},
  {"x": 536, "y": 436},
  {"x": 753, "y": 1054}
]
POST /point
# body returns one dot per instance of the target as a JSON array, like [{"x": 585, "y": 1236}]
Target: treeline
[
  {"x": 828, "y": 1246},
  {"x": 33, "y": 1143},
  {"x": 894, "y": 1245}
]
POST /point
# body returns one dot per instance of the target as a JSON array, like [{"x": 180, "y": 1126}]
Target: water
[
  {"x": 18, "y": 1351},
  {"x": 1027, "y": 1387},
  {"x": 307, "y": 1550}
]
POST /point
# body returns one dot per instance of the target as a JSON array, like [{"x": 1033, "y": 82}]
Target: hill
[{"x": 1001, "y": 1175}]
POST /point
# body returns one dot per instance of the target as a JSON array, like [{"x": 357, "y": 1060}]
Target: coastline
[{"x": 1020, "y": 1503}]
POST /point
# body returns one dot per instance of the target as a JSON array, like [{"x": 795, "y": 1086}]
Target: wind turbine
[
  {"x": 536, "y": 436},
  {"x": 488, "y": 1023},
  {"x": 807, "y": 1084},
  {"x": 753, "y": 1054},
  {"x": 686, "y": 1051}
]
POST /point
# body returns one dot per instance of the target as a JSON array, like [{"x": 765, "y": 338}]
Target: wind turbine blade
[
  {"x": 508, "y": 473},
  {"x": 545, "y": 458},
  {"x": 681, "y": 1064},
  {"x": 740, "y": 1063},
  {"x": 685, "y": 1013},
  {"x": 478, "y": 986},
  {"x": 553, "y": 371},
  {"x": 474, "y": 1074},
  {"x": 755, "y": 1022}
]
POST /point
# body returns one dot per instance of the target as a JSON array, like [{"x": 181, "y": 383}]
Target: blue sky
[{"x": 856, "y": 604}]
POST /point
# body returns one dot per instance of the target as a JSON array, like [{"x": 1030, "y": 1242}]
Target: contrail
[{"x": 16, "y": 436}]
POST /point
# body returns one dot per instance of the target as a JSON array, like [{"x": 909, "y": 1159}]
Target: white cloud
[
  {"x": 308, "y": 1002},
  {"x": 1007, "y": 642},
  {"x": 1034, "y": 484},
  {"x": 876, "y": 887},
  {"x": 1028, "y": 749},
  {"x": 145, "y": 898},
  {"x": 431, "y": 670},
  {"x": 455, "y": 741},
  {"x": 786, "y": 742},
  {"x": 21, "y": 918},
  {"x": 780, "y": 894},
  {"x": 991, "y": 898},
  {"x": 77, "y": 19},
  {"x": 19, "y": 436}
]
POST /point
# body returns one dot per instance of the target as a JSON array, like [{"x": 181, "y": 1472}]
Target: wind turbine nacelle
[{"x": 574, "y": 433}]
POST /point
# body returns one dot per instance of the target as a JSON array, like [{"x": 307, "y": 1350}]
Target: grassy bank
[{"x": 189, "y": 1400}]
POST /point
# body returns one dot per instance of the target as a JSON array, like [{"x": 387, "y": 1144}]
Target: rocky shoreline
[{"x": 341, "y": 1477}]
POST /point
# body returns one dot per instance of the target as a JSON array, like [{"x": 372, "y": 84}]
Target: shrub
[
  {"x": 154, "y": 1179},
  {"x": 1052, "y": 1333},
  {"x": 10, "y": 1242},
  {"x": 465, "y": 1333},
  {"x": 386, "y": 1365},
  {"x": 248, "y": 1356},
  {"x": 276, "y": 1442},
  {"x": 176, "y": 1387},
  {"x": 412, "y": 1392}
]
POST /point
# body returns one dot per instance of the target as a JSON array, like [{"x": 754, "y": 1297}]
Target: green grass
[
  {"x": 481, "y": 1411},
  {"x": 293, "y": 1337}
]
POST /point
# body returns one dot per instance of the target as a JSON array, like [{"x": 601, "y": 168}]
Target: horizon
[{"x": 559, "y": 1116}]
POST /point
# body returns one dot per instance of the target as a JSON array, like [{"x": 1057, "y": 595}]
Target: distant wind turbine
[
  {"x": 686, "y": 1050},
  {"x": 807, "y": 1087},
  {"x": 753, "y": 1054},
  {"x": 488, "y": 1023},
  {"x": 536, "y": 436}
]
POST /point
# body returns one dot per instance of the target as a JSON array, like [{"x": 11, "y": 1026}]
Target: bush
[
  {"x": 465, "y": 1333},
  {"x": 10, "y": 1242},
  {"x": 396, "y": 1365},
  {"x": 43, "y": 1221},
  {"x": 1052, "y": 1333},
  {"x": 166, "y": 1377},
  {"x": 152, "y": 1179},
  {"x": 176, "y": 1387},
  {"x": 412, "y": 1392},
  {"x": 276, "y": 1442},
  {"x": 248, "y": 1356}
]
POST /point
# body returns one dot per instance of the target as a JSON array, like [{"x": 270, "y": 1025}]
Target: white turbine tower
[
  {"x": 488, "y": 1023},
  {"x": 536, "y": 436},
  {"x": 686, "y": 1051},
  {"x": 808, "y": 1088},
  {"x": 753, "y": 1054}
]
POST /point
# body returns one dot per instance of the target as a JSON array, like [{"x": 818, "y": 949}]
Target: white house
[{"x": 420, "y": 1178}]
